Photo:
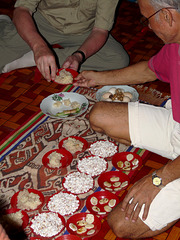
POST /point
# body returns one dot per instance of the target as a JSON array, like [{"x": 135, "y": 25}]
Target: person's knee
[
  {"x": 123, "y": 228},
  {"x": 117, "y": 225},
  {"x": 95, "y": 119}
]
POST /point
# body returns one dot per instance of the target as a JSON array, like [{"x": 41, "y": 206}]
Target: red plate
[
  {"x": 65, "y": 160},
  {"x": 73, "y": 72},
  {"x": 89, "y": 173},
  {"x": 82, "y": 216},
  {"x": 64, "y": 179},
  {"x": 85, "y": 143},
  {"x": 14, "y": 198},
  {"x": 68, "y": 237},
  {"x": 67, "y": 193},
  {"x": 121, "y": 159},
  {"x": 25, "y": 217},
  {"x": 39, "y": 236},
  {"x": 101, "y": 195},
  {"x": 107, "y": 181},
  {"x": 107, "y": 157}
]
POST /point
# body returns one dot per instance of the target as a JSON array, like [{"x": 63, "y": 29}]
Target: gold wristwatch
[{"x": 156, "y": 180}]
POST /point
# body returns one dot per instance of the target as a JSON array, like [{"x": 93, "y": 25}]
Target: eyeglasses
[{"x": 145, "y": 21}]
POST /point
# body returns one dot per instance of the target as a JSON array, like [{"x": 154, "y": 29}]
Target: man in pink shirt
[{"x": 152, "y": 205}]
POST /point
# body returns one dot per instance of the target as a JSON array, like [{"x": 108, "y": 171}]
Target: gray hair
[{"x": 157, "y": 4}]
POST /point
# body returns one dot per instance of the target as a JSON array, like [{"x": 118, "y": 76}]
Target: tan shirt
[{"x": 74, "y": 16}]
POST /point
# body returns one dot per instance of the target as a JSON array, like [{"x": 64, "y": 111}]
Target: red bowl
[
  {"x": 68, "y": 193},
  {"x": 99, "y": 196},
  {"x": 39, "y": 236},
  {"x": 85, "y": 143},
  {"x": 73, "y": 72},
  {"x": 82, "y": 216},
  {"x": 89, "y": 173},
  {"x": 14, "y": 199},
  {"x": 122, "y": 159},
  {"x": 25, "y": 217},
  {"x": 107, "y": 157},
  {"x": 63, "y": 182},
  {"x": 65, "y": 160},
  {"x": 108, "y": 178},
  {"x": 68, "y": 237}
]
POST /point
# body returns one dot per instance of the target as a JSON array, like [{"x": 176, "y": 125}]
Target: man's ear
[{"x": 168, "y": 17}]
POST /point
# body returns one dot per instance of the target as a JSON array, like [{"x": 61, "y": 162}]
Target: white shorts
[
  {"x": 165, "y": 208},
  {"x": 154, "y": 129}
]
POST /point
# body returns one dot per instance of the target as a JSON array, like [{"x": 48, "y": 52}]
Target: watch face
[{"x": 157, "y": 181}]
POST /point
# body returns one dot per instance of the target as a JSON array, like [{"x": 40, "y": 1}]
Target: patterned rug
[{"x": 21, "y": 157}]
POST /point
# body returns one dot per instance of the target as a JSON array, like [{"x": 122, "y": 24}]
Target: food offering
[
  {"x": 74, "y": 144},
  {"x": 27, "y": 199},
  {"x": 103, "y": 148},
  {"x": 101, "y": 203},
  {"x": 119, "y": 93},
  {"x": 47, "y": 224},
  {"x": 57, "y": 158},
  {"x": 14, "y": 220},
  {"x": 83, "y": 225},
  {"x": 63, "y": 203},
  {"x": 64, "y": 105},
  {"x": 113, "y": 181},
  {"x": 92, "y": 165},
  {"x": 78, "y": 183},
  {"x": 126, "y": 161},
  {"x": 65, "y": 76}
]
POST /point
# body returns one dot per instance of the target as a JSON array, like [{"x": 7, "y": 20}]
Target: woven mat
[{"x": 21, "y": 156}]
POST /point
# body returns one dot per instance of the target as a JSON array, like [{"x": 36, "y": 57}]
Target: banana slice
[
  {"x": 96, "y": 209},
  {"x": 94, "y": 201},
  {"x": 73, "y": 227},
  {"x": 81, "y": 230},
  {"x": 81, "y": 223},
  {"x": 116, "y": 184},
  {"x": 89, "y": 218},
  {"x": 107, "y": 208},
  {"x": 107, "y": 184},
  {"x": 92, "y": 231},
  {"x": 120, "y": 164},
  {"x": 114, "y": 179},
  {"x": 103, "y": 200},
  {"x": 89, "y": 226},
  {"x": 112, "y": 203}
]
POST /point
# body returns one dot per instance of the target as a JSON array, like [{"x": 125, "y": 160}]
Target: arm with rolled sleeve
[
  {"x": 26, "y": 28},
  {"x": 104, "y": 19}
]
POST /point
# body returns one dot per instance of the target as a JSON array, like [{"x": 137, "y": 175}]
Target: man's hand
[
  {"x": 142, "y": 192},
  {"x": 46, "y": 62},
  {"x": 73, "y": 62},
  {"x": 86, "y": 79}
]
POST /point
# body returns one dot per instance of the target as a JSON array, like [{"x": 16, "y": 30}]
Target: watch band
[{"x": 82, "y": 54}]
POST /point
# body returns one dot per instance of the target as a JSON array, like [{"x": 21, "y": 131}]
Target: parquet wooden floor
[{"x": 20, "y": 95}]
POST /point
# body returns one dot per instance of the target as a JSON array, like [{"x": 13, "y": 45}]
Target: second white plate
[{"x": 126, "y": 88}]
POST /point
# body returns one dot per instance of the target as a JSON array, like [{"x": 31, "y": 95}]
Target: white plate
[
  {"x": 50, "y": 110},
  {"x": 126, "y": 88}
]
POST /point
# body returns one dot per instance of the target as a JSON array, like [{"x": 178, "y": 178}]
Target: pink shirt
[{"x": 166, "y": 65}]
